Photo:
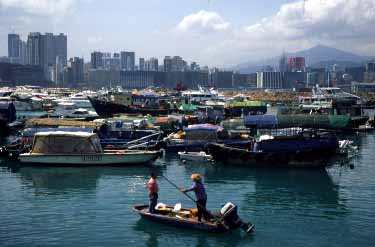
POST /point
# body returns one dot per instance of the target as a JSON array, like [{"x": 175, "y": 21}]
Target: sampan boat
[{"x": 226, "y": 221}]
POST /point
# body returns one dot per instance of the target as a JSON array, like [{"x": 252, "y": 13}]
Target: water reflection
[
  {"x": 146, "y": 227},
  {"x": 282, "y": 188},
  {"x": 68, "y": 179},
  {"x": 159, "y": 234}
]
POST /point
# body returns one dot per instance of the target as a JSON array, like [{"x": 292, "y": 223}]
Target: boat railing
[
  {"x": 281, "y": 132},
  {"x": 144, "y": 144},
  {"x": 139, "y": 141}
]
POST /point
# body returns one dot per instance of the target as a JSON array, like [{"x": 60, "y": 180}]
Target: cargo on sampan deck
[{"x": 225, "y": 221}]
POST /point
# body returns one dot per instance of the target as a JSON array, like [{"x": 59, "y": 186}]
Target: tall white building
[{"x": 270, "y": 80}]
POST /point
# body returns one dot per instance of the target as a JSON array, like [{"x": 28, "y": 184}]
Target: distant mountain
[
  {"x": 329, "y": 64},
  {"x": 314, "y": 56}
]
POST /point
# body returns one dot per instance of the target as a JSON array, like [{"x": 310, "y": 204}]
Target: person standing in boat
[
  {"x": 153, "y": 190},
  {"x": 200, "y": 194}
]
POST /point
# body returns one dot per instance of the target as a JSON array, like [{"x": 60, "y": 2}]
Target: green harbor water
[{"x": 92, "y": 206}]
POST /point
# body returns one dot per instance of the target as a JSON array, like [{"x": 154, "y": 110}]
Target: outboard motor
[{"x": 232, "y": 220}]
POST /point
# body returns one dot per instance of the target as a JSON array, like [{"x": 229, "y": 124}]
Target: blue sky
[{"x": 214, "y": 33}]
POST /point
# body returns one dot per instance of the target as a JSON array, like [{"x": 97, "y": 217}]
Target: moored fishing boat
[
  {"x": 307, "y": 149},
  {"x": 196, "y": 137},
  {"x": 119, "y": 101},
  {"x": 323, "y": 121},
  {"x": 334, "y": 101},
  {"x": 79, "y": 149}
]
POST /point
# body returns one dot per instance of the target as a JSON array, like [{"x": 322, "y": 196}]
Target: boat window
[{"x": 64, "y": 145}]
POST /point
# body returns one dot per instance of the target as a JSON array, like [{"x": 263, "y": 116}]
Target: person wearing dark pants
[
  {"x": 202, "y": 211},
  {"x": 153, "y": 190},
  {"x": 201, "y": 196}
]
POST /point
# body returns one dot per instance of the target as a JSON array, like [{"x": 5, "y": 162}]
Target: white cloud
[
  {"x": 206, "y": 36},
  {"x": 56, "y": 8},
  {"x": 203, "y": 21},
  {"x": 345, "y": 24},
  {"x": 320, "y": 19}
]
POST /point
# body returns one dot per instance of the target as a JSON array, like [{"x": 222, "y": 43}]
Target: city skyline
[
  {"x": 218, "y": 33},
  {"x": 46, "y": 61}
]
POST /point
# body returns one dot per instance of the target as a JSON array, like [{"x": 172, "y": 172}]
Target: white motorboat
[
  {"x": 202, "y": 95},
  {"x": 70, "y": 110},
  {"x": 78, "y": 102},
  {"x": 82, "y": 113},
  {"x": 195, "y": 156},
  {"x": 80, "y": 149}
]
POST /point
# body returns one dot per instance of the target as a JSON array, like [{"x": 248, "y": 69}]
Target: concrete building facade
[
  {"x": 97, "y": 60},
  {"x": 127, "y": 60},
  {"x": 270, "y": 80}
]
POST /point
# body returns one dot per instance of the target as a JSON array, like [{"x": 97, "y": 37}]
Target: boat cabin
[
  {"x": 331, "y": 100},
  {"x": 201, "y": 95},
  {"x": 61, "y": 142},
  {"x": 202, "y": 132}
]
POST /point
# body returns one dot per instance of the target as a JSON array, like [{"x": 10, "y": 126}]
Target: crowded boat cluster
[{"x": 117, "y": 127}]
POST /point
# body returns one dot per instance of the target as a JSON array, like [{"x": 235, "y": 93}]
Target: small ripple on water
[{"x": 92, "y": 207}]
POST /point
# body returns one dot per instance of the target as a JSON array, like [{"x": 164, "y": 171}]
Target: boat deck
[{"x": 182, "y": 219}]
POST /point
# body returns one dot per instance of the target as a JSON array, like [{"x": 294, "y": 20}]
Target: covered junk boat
[
  {"x": 196, "y": 137},
  {"x": 306, "y": 148},
  {"x": 118, "y": 101},
  {"x": 79, "y": 148},
  {"x": 224, "y": 221},
  {"x": 334, "y": 101}
]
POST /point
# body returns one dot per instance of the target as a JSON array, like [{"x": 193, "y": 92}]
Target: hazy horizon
[{"x": 215, "y": 33}]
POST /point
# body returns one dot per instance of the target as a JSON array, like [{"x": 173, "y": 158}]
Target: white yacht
[
  {"x": 202, "y": 95},
  {"x": 70, "y": 110}
]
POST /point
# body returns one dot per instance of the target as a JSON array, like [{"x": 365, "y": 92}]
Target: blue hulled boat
[{"x": 306, "y": 149}]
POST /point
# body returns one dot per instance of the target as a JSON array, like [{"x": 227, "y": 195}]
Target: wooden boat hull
[
  {"x": 142, "y": 210},
  {"x": 293, "y": 159},
  {"x": 106, "y": 109},
  {"x": 105, "y": 159},
  {"x": 199, "y": 145}
]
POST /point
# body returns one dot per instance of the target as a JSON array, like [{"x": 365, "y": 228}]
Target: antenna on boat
[{"x": 303, "y": 7}]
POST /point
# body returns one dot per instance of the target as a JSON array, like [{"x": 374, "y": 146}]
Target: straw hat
[{"x": 196, "y": 177}]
